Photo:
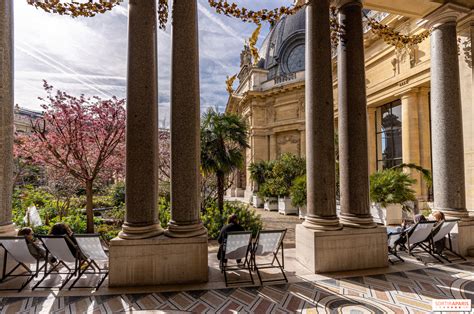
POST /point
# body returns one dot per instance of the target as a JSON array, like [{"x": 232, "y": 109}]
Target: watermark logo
[{"x": 451, "y": 305}]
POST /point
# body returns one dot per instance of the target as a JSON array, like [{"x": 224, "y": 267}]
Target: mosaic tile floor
[{"x": 398, "y": 292}]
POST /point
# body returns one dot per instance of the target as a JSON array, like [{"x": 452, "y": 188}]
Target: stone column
[
  {"x": 353, "y": 146},
  {"x": 320, "y": 155},
  {"x": 446, "y": 114},
  {"x": 6, "y": 117},
  {"x": 141, "y": 219},
  {"x": 185, "y": 123},
  {"x": 372, "y": 140},
  {"x": 411, "y": 136}
]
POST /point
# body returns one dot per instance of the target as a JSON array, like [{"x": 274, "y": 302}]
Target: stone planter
[
  {"x": 392, "y": 214},
  {"x": 302, "y": 212},
  {"x": 271, "y": 203},
  {"x": 285, "y": 207},
  {"x": 257, "y": 201}
]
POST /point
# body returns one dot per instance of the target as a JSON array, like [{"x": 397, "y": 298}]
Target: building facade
[{"x": 271, "y": 97}]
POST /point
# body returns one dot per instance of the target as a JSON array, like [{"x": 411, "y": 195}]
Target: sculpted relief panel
[{"x": 288, "y": 142}]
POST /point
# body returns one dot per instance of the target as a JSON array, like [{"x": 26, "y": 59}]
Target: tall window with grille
[{"x": 388, "y": 126}]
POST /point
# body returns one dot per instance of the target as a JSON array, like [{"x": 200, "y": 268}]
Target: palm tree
[{"x": 223, "y": 138}]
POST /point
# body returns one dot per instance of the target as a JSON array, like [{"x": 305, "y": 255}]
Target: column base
[
  {"x": 357, "y": 221},
  {"x": 346, "y": 249},
  {"x": 158, "y": 261},
  {"x": 185, "y": 231},
  {"x": 463, "y": 238},
  {"x": 8, "y": 230},
  {"x": 134, "y": 233},
  {"x": 322, "y": 224},
  {"x": 455, "y": 213}
]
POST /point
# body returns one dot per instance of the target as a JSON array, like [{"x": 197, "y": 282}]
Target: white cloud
[{"x": 88, "y": 55}]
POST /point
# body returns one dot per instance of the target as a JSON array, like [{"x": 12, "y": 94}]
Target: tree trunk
[
  {"x": 220, "y": 191},
  {"x": 89, "y": 208}
]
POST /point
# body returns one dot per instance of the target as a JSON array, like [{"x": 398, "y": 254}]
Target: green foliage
[
  {"x": 108, "y": 232},
  {"x": 427, "y": 177},
  {"x": 280, "y": 175},
  {"x": 259, "y": 170},
  {"x": 117, "y": 193},
  {"x": 223, "y": 137},
  {"x": 164, "y": 212},
  {"x": 298, "y": 191},
  {"x": 391, "y": 186},
  {"x": 214, "y": 221}
]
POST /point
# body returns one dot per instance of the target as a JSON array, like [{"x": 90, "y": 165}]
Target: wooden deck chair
[
  {"x": 441, "y": 234},
  {"x": 17, "y": 248},
  {"x": 420, "y": 236},
  {"x": 236, "y": 246},
  {"x": 59, "y": 248},
  {"x": 269, "y": 243},
  {"x": 91, "y": 247},
  {"x": 393, "y": 237}
]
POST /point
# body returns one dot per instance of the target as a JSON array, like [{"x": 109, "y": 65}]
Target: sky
[{"x": 89, "y": 55}]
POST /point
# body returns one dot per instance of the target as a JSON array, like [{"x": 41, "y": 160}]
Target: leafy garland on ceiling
[
  {"x": 91, "y": 8},
  {"x": 394, "y": 38}
]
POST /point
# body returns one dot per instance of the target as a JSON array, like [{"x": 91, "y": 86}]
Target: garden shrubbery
[{"x": 248, "y": 218}]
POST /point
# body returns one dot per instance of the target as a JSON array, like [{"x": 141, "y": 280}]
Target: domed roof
[{"x": 283, "y": 48}]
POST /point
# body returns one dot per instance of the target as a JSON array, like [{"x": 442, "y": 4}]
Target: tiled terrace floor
[{"x": 403, "y": 288}]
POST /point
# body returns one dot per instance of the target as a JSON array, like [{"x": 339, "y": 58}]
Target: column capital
[
  {"x": 341, "y": 3},
  {"x": 448, "y": 13}
]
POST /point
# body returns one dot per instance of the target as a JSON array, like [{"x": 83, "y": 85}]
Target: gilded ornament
[
  {"x": 229, "y": 82},
  {"x": 253, "y": 43}
]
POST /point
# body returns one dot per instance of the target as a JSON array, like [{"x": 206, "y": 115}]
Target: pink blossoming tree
[{"x": 84, "y": 137}]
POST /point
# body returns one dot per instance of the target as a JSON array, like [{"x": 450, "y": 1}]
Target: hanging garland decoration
[
  {"x": 90, "y": 8},
  {"x": 395, "y": 38},
  {"x": 250, "y": 16},
  {"x": 75, "y": 9},
  {"x": 163, "y": 13},
  {"x": 337, "y": 30}
]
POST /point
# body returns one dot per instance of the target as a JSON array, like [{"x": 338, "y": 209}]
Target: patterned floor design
[{"x": 400, "y": 292}]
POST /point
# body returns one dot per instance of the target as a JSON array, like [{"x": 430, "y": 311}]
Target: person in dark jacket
[
  {"x": 62, "y": 229},
  {"x": 232, "y": 225}
]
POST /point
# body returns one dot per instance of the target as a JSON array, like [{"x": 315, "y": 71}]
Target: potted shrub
[
  {"x": 298, "y": 195},
  {"x": 258, "y": 170},
  {"x": 390, "y": 190},
  {"x": 268, "y": 194},
  {"x": 286, "y": 169}
]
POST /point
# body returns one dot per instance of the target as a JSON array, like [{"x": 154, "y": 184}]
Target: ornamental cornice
[{"x": 448, "y": 13}]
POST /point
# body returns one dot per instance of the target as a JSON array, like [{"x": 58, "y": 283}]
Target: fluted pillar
[
  {"x": 141, "y": 219},
  {"x": 446, "y": 114},
  {"x": 6, "y": 117},
  {"x": 185, "y": 123},
  {"x": 320, "y": 155},
  {"x": 353, "y": 145}
]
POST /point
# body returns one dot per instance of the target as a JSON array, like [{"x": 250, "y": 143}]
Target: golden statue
[
  {"x": 229, "y": 82},
  {"x": 253, "y": 42}
]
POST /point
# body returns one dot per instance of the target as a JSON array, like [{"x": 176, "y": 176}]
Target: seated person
[
  {"x": 35, "y": 248},
  {"x": 439, "y": 217},
  {"x": 405, "y": 228},
  {"x": 62, "y": 229},
  {"x": 232, "y": 225}
]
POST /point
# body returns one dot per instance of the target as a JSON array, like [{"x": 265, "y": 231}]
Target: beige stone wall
[
  {"x": 466, "y": 36},
  {"x": 278, "y": 113}
]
